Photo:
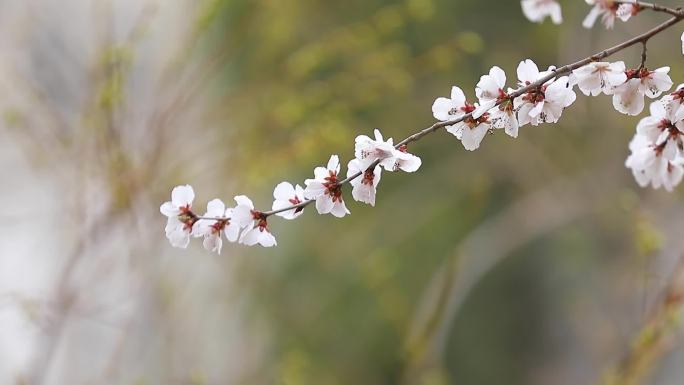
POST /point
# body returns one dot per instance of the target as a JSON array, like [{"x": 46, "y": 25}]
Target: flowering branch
[
  {"x": 643, "y": 38},
  {"x": 541, "y": 97},
  {"x": 639, "y": 5}
]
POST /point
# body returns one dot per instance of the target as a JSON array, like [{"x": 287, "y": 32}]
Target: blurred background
[{"x": 531, "y": 261}]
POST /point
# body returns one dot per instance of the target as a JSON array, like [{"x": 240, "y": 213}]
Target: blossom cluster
[
  {"x": 607, "y": 10},
  {"x": 246, "y": 225},
  {"x": 538, "y": 97}
]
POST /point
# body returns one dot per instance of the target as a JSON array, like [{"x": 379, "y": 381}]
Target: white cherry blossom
[
  {"x": 258, "y": 234},
  {"x": 490, "y": 91},
  {"x": 543, "y": 104},
  {"x": 326, "y": 190},
  {"x": 650, "y": 164},
  {"x": 212, "y": 229},
  {"x": 682, "y": 42},
  {"x": 401, "y": 160},
  {"x": 673, "y": 101},
  {"x": 369, "y": 150},
  {"x": 243, "y": 213},
  {"x": 657, "y": 148},
  {"x": 628, "y": 98},
  {"x": 255, "y": 224},
  {"x": 662, "y": 122},
  {"x": 364, "y": 187},
  {"x": 286, "y": 195},
  {"x": 608, "y": 10},
  {"x": 597, "y": 77},
  {"x": 469, "y": 131},
  {"x": 537, "y": 10},
  {"x": 180, "y": 216},
  {"x": 446, "y": 109}
]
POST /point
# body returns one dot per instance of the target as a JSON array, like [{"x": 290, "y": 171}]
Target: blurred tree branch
[{"x": 654, "y": 339}]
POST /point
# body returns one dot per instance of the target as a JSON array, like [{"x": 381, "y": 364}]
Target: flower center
[
  {"x": 637, "y": 73},
  {"x": 536, "y": 95},
  {"x": 187, "y": 217},
  {"x": 470, "y": 121},
  {"x": 296, "y": 201},
  {"x": 368, "y": 177},
  {"x": 260, "y": 217},
  {"x": 333, "y": 187},
  {"x": 219, "y": 225}
]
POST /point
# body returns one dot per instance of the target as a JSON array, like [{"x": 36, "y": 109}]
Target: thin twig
[
  {"x": 678, "y": 12},
  {"x": 644, "y": 55}
]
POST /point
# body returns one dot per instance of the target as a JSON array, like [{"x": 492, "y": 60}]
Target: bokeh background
[{"x": 531, "y": 261}]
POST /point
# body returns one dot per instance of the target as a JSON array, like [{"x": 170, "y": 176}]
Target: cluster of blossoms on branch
[
  {"x": 246, "y": 225},
  {"x": 538, "y": 97},
  {"x": 608, "y": 10}
]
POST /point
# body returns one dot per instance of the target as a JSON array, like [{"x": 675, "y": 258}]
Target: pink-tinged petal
[
  {"x": 378, "y": 135},
  {"x": 314, "y": 189},
  {"x": 201, "y": 228},
  {"x": 339, "y": 209},
  {"x": 354, "y": 166},
  {"x": 266, "y": 239},
  {"x": 498, "y": 75},
  {"x": 456, "y": 130},
  {"x": 215, "y": 208},
  {"x": 179, "y": 238},
  {"x": 242, "y": 215},
  {"x": 510, "y": 125},
  {"x": 536, "y": 110},
  {"x": 250, "y": 237},
  {"x": 627, "y": 100},
  {"x": 334, "y": 163},
  {"x": 364, "y": 193},
  {"x": 169, "y": 209},
  {"x": 324, "y": 204},
  {"x": 615, "y": 78},
  {"x": 182, "y": 196},
  {"x": 377, "y": 173},
  {"x": 657, "y": 110},
  {"x": 232, "y": 231},
  {"x": 524, "y": 114},
  {"x": 472, "y": 137},
  {"x": 410, "y": 164},
  {"x": 457, "y": 96},
  {"x": 649, "y": 127},
  {"x": 172, "y": 224},
  {"x": 481, "y": 110},
  {"x": 441, "y": 108},
  {"x": 213, "y": 243},
  {"x": 284, "y": 191},
  {"x": 658, "y": 82},
  {"x": 244, "y": 201},
  {"x": 590, "y": 19},
  {"x": 320, "y": 173},
  {"x": 527, "y": 71}
]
